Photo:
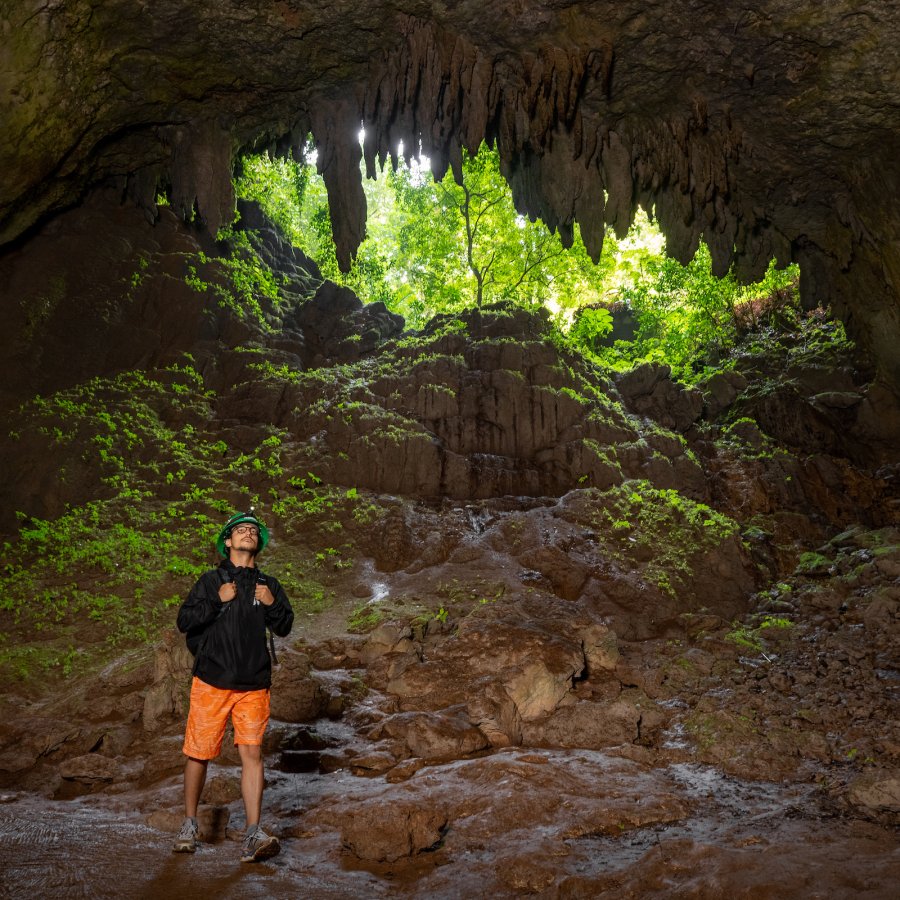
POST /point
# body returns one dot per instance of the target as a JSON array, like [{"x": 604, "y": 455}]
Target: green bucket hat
[{"x": 248, "y": 518}]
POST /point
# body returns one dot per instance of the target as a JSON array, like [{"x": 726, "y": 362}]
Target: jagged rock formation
[
  {"x": 102, "y": 291},
  {"x": 770, "y": 131}
]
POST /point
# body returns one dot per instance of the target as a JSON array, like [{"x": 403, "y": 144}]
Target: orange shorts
[{"x": 209, "y": 712}]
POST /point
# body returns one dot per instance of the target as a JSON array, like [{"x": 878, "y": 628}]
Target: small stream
[{"x": 741, "y": 839}]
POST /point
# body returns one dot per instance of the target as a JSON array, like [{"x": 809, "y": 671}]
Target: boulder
[
  {"x": 648, "y": 390},
  {"x": 162, "y": 764},
  {"x": 373, "y": 762},
  {"x": 221, "y": 789},
  {"x": 878, "y": 794},
  {"x": 405, "y": 770},
  {"x": 434, "y": 736},
  {"x": 721, "y": 390},
  {"x": 589, "y": 726},
  {"x": 92, "y": 768},
  {"x": 296, "y": 696},
  {"x": 535, "y": 689},
  {"x": 34, "y": 737},
  {"x": 565, "y": 574},
  {"x": 168, "y": 696},
  {"x": 388, "y": 832},
  {"x": 494, "y": 713},
  {"x": 391, "y": 637},
  {"x": 642, "y": 380},
  {"x": 601, "y": 650},
  {"x": 531, "y": 661}
]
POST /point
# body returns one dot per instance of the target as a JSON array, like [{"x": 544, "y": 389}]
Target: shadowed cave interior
[{"x": 561, "y": 631}]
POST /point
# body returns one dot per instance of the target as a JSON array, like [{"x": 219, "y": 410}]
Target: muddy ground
[{"x": 613, "y": 828}]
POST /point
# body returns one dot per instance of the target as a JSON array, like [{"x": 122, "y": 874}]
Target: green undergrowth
[
  {"x": 752, "y": 635},
  {"x": 810, "y": 339},
  {"x": 470, "y": 592},
  {"x": 365, "y": 618},
  {"x": 237, "y": 279},
  {"x": 108, "y": 571},
  {"x": 661, "y": 528},
  {"x": 742, "y": 435},
  {"x": 420, "y": 613},
  {"x": 310, "y": 578},
  {"x": 308, "y": 594}
]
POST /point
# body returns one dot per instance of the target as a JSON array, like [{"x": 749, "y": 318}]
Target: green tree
[
  {"x": 464, "y": 244},
  {"x": 280, "y": 186},
  {"x": 685, "y": 314}
]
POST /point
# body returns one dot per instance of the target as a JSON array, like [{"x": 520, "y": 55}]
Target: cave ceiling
[{"x": 768, "y": 129}]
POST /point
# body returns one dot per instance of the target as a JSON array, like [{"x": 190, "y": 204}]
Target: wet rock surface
[
  {"x": 541, "y": 823},
  {"x": 557, "y": 634},
  {"x": 516, "y": 744}
]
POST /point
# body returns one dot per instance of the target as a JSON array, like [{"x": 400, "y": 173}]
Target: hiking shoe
[
  {"x": 186, "y": 842},
  {"x": 259, "y": 846}
]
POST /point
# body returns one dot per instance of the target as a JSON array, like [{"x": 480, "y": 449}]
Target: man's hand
[
  {"x": 264, "y": 595},
  {"x": 227, "y": 591}
]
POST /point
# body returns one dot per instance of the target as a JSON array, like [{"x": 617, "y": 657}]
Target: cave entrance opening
[{"x": 441, "y": 246}]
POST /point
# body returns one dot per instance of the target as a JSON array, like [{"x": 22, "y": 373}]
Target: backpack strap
[
  {"x": 261, "y": 579},
  {"x": 272, "y": 647}
]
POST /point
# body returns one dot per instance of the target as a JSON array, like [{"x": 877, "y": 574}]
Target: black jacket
[{"x": 229, "y": 639}]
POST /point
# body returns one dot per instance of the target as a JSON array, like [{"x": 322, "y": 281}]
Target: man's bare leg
[
  {"x": 257, "y": 844},
  {"x": 194, "y": 779},
  {"x": 252, "y": 781}
]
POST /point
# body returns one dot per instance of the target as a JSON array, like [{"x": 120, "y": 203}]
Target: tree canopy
[{"x": 441, "y": 246}]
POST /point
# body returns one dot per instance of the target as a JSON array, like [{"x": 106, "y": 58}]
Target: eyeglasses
[{"x": 247, "y": 529}]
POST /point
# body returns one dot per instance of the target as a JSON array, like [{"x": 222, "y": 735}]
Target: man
[{"x": 225, "y": 618}]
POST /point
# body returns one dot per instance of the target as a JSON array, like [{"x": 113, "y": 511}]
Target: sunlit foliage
[{"x": 438, "y": 246}]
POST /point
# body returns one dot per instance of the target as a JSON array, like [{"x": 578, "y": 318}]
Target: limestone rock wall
[{"x": 769, "y": 132}]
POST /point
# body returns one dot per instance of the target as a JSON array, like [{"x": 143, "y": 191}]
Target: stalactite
[
  {"x": 142, "y": 188},
  {"x": 336, "y": 130},
  {"x": 615, "y": 161},
  {"x": 200, "y": 173}
]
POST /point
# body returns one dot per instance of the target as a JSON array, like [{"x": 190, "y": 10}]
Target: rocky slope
[{"x": 559, "y": 632}]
